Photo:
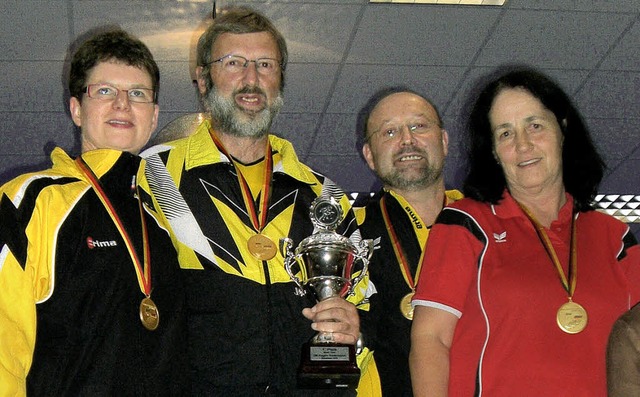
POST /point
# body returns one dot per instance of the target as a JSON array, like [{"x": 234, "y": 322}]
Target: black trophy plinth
[{"x": 328, "y": 366}]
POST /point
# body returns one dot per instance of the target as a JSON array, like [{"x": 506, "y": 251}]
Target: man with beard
[
  {"x": 230, "y": 192},
  {"x": 405, "y": 145}
]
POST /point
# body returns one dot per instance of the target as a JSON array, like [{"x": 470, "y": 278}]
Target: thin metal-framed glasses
[
  {"x": 105, "y": 92},
  {"x": 392, "y": 133},
  {"x": 235, "y": 64}
]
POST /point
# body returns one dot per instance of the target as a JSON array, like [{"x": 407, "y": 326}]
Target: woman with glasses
[
  {"x": 90, "y": 296},
  {"x": 522, "y": 280}
]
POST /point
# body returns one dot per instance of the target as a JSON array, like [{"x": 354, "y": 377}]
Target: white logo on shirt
[
  {"x": 500, "y": 237},
  {"x": 91, "y": 243}
]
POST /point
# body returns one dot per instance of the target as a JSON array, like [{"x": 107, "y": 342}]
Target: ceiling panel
[
  {"x": 421, "y": 34},
  {"x": 308, "y": 86},
  {"x": 33, "y": 30},
  {"x": 475, "y": 78},
  {"x": 621, "y": 180},
  {"x": 178, "y": 92},
  {"x": 341, "y": 52},
  {"x": 625, "y": 54},
  {"x": 298, "y": 128},
  {"x": 607, "y": 94},
  {"x": 32, "y": 86},
  {"x": 553, "y": 39},
  {"x": 617, "y": 139},
  {"x": 339, "y": 136},
  {"x": 169, "y": 28},
  {"x": 577, "y": 5},
  {"x": 357, "y": 83},
  {"x": 316, "y": 33}
]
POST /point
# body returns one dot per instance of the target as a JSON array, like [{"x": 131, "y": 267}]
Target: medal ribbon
[
  {"x": 143, "y": 270},
  {"x": 258, "y": 219},
  {"x": 397, "y": 248},
  {"x": 570, "y": 285}
]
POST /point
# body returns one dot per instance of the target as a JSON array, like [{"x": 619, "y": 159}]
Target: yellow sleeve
[
  {"x": 369, "y": 385},
  {"x": 17, "y": 325},
  {"x": 360, "y": 213},
  {"x": 17, "y": 303},
  {"x": 30, "y": 233}
]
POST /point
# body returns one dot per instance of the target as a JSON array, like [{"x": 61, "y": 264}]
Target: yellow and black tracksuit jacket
[
  {"x": 69, "y": 294},
  {"x": 245, "y": 323}
]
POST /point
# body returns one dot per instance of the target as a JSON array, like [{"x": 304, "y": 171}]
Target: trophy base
[{"x": 328, "y": 366}]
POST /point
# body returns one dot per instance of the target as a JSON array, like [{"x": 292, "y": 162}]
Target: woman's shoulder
[
  {"x": 469, "y": 204},
  {"x": 602, "y": 219},
  {"x": 603, "y": 226},
  {"x": 467, "y": 212}
]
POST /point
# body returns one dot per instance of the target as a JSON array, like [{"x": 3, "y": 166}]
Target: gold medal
[
  {"x": 148, "y": 310},
  {"x": 261, "y": 247},
  {"x": 405, "y": 306},
  {"x": 405, "y": 268},
  {"x": 572, "y": 318},
  {"x": 149, "y": 314}
]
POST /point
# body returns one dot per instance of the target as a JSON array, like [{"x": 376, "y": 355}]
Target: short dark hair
[
  {"x": 365, "y": 113},
  {"x": 105, "y": 46},
  {"x": 582, "y": 165},
  {"x": 237, "y": 20}
]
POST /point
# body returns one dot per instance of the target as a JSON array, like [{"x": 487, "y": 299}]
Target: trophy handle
[
  {"x": 365, "y": 251},
  {"x": 289, "y": 260}
]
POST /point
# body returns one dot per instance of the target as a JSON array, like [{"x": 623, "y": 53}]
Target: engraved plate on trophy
[{"x": 327, "y": 262}]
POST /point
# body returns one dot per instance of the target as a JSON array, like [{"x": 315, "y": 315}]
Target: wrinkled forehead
[{"x": 248, "y": 45}]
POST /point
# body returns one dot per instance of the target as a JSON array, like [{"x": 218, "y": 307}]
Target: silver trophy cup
[{"x": 324, "y": 265}]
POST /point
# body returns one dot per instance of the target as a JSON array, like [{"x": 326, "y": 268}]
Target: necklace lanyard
[
  {"x": 143, "y": 270},
  {"x": 397, "y": 248},
  {"x": 568, "y": 282},
  {"x": 258, "y": 217}
]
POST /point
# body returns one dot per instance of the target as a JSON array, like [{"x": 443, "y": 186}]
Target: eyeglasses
[
  {"x": 236, "y": 64},
  {"x": 392, "y": 133},
  {"x": 105, "y": 92}
]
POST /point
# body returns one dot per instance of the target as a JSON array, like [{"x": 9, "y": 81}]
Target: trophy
[{"x": 326, "y": 262}]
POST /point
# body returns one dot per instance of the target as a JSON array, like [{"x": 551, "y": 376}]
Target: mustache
[
  {"x": 411, "y": 149},
  {"x": 250, "y": 90}
]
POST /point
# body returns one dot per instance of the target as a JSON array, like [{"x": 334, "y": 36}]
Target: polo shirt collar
[{"x": 509, "y": 208}]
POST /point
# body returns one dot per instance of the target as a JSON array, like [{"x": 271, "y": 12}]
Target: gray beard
[
  {"x": 397, "y": 180},
  {"x": 229, "y": 118}
]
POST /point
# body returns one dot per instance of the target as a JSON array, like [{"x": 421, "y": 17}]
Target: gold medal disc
[
  {"x": 261, "y": 247},
  {"x": 572, "y": 318},
  {"x": 149, "y": 314},
  {"x": 405, "y": 306}
]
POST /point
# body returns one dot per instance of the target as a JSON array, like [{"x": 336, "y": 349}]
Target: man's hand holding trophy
[{"x": 329, "y": 265}]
